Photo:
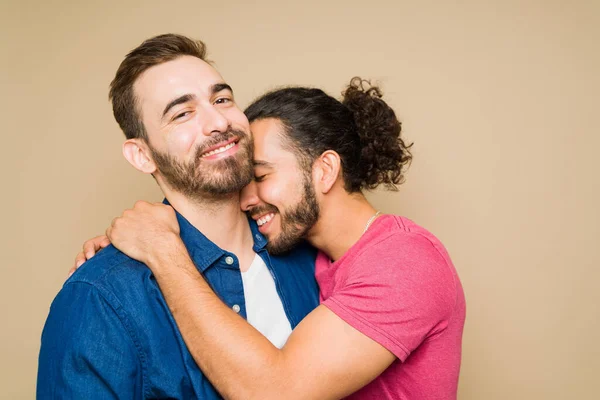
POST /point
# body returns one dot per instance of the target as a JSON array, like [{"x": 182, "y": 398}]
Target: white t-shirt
[{"x": 264, "y": 309}]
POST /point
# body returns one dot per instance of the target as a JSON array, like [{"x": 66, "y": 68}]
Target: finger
[
  {"x": 91, "y": 247},
  {"x": 141, "y": 204},
  {"x": 71, "y": 271},
  {"x": 104, "y": 242},
  {"x": 89, "y": 251},
  {"x": 80, "y": 259}
]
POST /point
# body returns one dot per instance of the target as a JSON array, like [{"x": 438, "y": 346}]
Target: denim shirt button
[
  {"x": 229, "y": 260},
  {"x": 236, "y": 308}
]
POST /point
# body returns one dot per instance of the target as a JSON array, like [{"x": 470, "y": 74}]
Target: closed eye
[
  {"x": 259, "y": 178},
  {"x": 181, "y": 115}
]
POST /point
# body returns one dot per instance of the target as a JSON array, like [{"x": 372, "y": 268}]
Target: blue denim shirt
[{"x": 110, "y": 335}]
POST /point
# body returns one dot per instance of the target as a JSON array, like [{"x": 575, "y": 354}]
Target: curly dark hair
[{"x": 362, "y": 129}]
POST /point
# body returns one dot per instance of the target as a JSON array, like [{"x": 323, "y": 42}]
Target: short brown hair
[{"x": 151, "y": 52}]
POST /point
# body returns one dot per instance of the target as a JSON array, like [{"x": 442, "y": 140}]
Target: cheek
[
  {"x": 268, "y": 192},
  {"x": 181, "y": 140},
  {"x": 238, "y": 119},
  {"x": 278, "y": 191}
]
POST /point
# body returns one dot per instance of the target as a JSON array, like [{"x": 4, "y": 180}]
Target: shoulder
[
  {"x": 398, "y": 240},
  {"x": 101, "y": 298},
  {"x": 118, "y": 279},
  {"x": 86, "y": 331},
  {"x": 405, "y": 257},
  {"x": 107, "y": 265}
]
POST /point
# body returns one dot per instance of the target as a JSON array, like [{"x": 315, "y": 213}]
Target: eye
[
  {"x": 181, "y": 115},
  {"x": 223, "y": 100},
  {"x": 259, "y": 178}
]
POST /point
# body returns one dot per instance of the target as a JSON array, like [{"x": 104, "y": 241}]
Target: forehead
[
  {"x": 269, "y": 144},
  {"x": 185, "y": 75}
]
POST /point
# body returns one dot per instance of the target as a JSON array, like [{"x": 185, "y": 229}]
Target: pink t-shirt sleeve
[{"x": 398, "y": 291}]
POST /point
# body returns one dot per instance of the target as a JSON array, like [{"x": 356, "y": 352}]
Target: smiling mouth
[
  {"x": 264, "y": 219},
  {"x": 219, "y": 150}
]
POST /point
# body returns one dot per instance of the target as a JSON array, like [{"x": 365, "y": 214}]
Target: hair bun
[{"x": 384, "y": 155}]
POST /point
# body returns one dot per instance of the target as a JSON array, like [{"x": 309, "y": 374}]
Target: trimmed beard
[
  {"x": 296, "y": 220},
  {"x": 200, "y": 180}
]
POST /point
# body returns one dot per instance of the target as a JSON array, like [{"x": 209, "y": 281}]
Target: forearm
[{"x": 237, "y": 359}]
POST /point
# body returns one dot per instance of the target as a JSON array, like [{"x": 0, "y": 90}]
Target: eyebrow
[
  {"x": 261, "y": 163},
  {"x": 181, "y": 99},
  {"x": 216, "y": 88}
]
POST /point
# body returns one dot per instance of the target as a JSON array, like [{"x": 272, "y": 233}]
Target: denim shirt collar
[{"x": 201, "y": 249}]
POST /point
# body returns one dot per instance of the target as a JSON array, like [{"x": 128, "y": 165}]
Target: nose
[
  {"x": 214, "y": 121},
  {"x": 249, "y": 197}
]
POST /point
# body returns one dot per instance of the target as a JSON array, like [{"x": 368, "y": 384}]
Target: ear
[
  {"x": 326, "y": 170},
  {"x": 136, "y": 151}
]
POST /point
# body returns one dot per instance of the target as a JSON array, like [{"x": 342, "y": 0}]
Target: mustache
[
  {"x": 218, "y": 138},
  {"x": 262, "y": 209}
]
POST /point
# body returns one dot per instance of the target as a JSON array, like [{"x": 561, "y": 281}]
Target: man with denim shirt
[{"x": 110, "y": 333}]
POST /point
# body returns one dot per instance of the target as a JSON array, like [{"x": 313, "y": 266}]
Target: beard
[
  {"x": 202, "y": 180},
  {"x": 296, "y": 220}
]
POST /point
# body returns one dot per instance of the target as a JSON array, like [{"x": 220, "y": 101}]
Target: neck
[
  {"x": 335, "y": 233},
  {"x": 221, "y": 221}
]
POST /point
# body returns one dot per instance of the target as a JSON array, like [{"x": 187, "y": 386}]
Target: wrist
[{"x": 165, "y": 254}]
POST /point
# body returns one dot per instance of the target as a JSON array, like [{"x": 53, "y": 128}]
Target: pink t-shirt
[{"x": 397, "y": 285}]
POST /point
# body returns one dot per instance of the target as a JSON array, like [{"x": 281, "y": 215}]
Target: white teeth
[
  {"x": 265, "y": 219},
  {"x": 219, "y": 150}
]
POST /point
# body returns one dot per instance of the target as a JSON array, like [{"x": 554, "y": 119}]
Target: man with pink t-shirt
[
  {"x": 392, "y": 306},
  {"x": 409, "y": 301}
]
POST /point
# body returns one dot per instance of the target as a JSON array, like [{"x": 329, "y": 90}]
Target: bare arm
[{"x": 324, "y": 358}]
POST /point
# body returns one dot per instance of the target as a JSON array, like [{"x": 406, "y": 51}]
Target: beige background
[{"x": 500, "y": 98}]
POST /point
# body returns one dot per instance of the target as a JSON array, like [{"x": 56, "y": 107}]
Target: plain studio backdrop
[{"x": 500, "y": 98}]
